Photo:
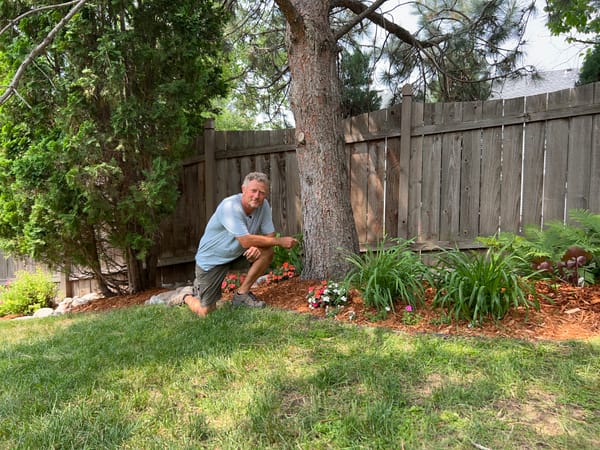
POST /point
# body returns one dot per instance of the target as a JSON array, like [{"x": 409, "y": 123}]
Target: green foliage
[
  {"x": 272, "y": 379},
  {"x": 29, "y": 292},
  {"x": 590, "y": 69},
  {"x": 91, "y": 162},
  {"x": 479, "y": 41},
  {"x": 387, "y": 274},
  {"x": 567, "y": 252},
  {"x": 355, "y": 77},
  {"x": 410, "y": 317},
  {"x": 293, "y": 256},
  {"x": 582, "y": 16},
  {"x": 474, "y": 286},
  {"x": 257, "y": 67}
]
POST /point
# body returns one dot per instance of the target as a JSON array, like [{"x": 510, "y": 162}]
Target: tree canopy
[
  {"x": 581, "y": 16},
  {"x": 92, "y": 139}
]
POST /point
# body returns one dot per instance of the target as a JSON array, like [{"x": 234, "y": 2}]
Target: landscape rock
[
  {"x": 78, "y": 301},
  {"x": 43, "y": 312}
]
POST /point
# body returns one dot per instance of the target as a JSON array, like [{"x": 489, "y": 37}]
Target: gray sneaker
[{"x": 247, "y": 299}]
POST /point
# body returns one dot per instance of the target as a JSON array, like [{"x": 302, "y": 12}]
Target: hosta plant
[
  {"x": 388, "y": 273},
  {"x": 475, "y": 286}
]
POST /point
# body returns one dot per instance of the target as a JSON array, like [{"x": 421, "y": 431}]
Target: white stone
[{"x": 43, "y": 312}]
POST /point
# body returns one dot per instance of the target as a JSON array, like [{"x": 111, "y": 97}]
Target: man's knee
[{"x": 266, "y": 254}]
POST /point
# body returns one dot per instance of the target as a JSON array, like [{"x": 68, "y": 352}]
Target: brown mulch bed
[{"x": 574, "y": 312}]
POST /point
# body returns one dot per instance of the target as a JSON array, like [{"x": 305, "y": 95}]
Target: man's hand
[
  {"x": 252, "y": 254},
  {"x": 287, "y": 242}
]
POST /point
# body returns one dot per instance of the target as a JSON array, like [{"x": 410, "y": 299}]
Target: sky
[
  {"x": 544, "y": 51},
  {"x": 547, "y": 52}
]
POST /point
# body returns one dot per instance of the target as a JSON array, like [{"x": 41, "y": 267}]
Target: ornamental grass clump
[
  {"x": 388, "y": 273},
  {"x": 474, "y": 286}
]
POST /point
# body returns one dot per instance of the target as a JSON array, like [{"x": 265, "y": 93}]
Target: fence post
[
  {"x": 210, "y": 166},
  {"x": 405, "y": 132}
]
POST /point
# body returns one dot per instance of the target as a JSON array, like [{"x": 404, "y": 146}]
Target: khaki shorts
[{"x": 207, "y": 284}]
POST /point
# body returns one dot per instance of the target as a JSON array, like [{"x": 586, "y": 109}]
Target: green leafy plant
[
  {"x": 328, "y": 293},
  {"x": 377, "y": 315},
  {"x": 293, "y": 256},
  {"x": 387, "y": 274},
  {"x": 566, "y": 252},
  {"x": 474, "y": 286},
  {"x": 29, "y": 292},
  {"x": 410, "y": 317}
]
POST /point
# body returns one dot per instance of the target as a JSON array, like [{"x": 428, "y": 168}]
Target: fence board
[
  {"x": 432, "y": 166},
  {"x": 450, "y": 174},
  {"x": 489, "y": 219},
  {"x": 512, "y": 158},
  {"x": 594, "y": 194},
  {"x": 359, "y": 173},
  {"x": 557, "y": 145},
  {"x": 415, "y": 178},
  {"x": 393, "y": 221},
  {"x": 375, "y": 191},
  {"x": 580, "y": 152},
  {"x": 381, "y": 122},
  {"x": 470, "y": 174},
  {"x": 533, "y": 165}
]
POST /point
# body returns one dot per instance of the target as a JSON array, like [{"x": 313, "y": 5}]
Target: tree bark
[
  {"x": 328, "y": 223},
  {"x": 141, "y": 274}
]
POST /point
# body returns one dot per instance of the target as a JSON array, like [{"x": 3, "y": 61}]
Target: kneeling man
[{"x": 239, "y": 235}]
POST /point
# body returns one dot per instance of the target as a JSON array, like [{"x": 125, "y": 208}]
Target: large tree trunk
[{"x": 328, "y": 223}]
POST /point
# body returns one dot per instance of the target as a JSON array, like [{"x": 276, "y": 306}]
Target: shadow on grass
[{"x": 312, "y": 383}]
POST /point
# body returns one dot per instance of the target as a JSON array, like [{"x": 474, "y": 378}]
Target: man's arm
[{"x": 266, "y": 241}]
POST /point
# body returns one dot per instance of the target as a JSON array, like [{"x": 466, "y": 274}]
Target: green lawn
[{"x": 154, "y": 377}]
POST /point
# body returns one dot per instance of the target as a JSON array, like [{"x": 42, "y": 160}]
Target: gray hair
[{"x": 258, "y": 176}]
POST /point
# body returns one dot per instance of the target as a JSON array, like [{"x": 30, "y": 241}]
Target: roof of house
[{"x": 551, "y": 81}]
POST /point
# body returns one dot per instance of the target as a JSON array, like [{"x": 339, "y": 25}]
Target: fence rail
[{"x": 441, "y": 173}]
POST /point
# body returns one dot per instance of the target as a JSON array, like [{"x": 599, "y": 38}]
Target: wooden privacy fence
[
  {"x": 448, "y": 172},
  {"x": 442, "y": 173}
]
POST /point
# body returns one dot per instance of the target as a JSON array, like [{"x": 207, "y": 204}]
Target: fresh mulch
[{"x": 569, "y": 313}]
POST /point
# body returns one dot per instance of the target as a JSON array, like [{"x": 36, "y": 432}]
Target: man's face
[{"x": 253, "y": 195}]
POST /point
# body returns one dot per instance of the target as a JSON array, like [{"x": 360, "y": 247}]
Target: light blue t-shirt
[{"x": 219, "y": 244}]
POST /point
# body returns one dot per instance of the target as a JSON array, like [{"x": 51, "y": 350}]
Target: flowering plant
[
  {"x": 328, "y": 293},
  {"x": 409, "y": 317},
  {"x": 231, "y": 282},
  {"x": 285, "y": 272}
]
